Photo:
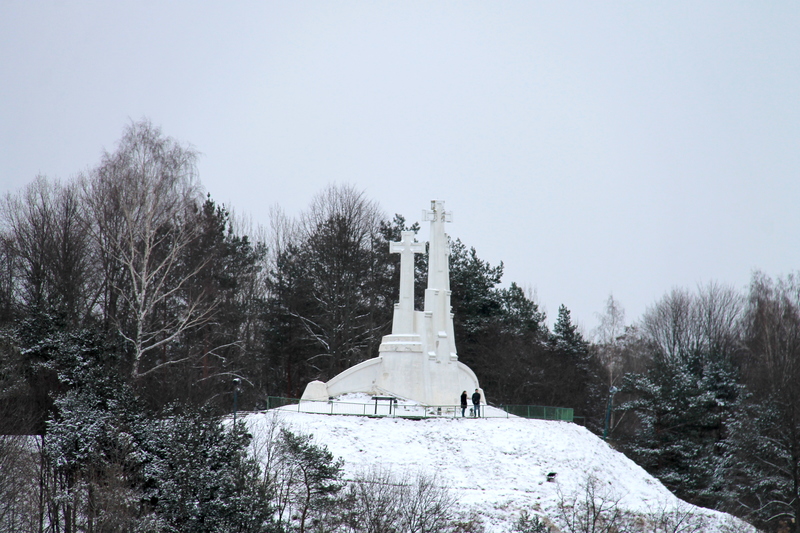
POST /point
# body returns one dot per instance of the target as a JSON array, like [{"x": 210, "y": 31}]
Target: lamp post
[
  {"x": 611, "y": 392},
  {"x": 235, "y": 398}
]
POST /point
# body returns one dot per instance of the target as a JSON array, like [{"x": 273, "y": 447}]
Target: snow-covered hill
[{"x": 497, "y": 467}]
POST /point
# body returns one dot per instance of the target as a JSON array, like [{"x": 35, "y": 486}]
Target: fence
[
  {"x": 383, "y": 406},
  {"x": 540, "y": 412}
]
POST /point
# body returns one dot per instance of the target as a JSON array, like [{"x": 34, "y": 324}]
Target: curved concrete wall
[{"x": 360, "y": 378}]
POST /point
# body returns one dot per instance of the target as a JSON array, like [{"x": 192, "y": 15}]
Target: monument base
[{"x": 413, "y": 376}]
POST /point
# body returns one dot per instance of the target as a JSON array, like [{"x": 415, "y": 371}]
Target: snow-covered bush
[
  {"x": 527, "y": 523},
  {"x": 381, "y": 501}
]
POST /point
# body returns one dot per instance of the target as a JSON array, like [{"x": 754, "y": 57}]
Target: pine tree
[
  {"x": 684, "y": 409},
  {"x": 112, "y": 465},
  {"x": 499, "y": 331},
  {"x": 566, "y": 336},
  {"x": 307, "y": 483},
  {"x": 572, "y": 373},
  {"x": 198, "y": 476},
  {"x": 337, "y": 298}
]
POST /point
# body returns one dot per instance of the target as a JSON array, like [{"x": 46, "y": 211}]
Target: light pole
[
  {"x": 235, "y": 398},
  {"x": 611, "y": 392}
]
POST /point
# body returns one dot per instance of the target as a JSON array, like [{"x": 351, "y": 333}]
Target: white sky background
[{"x": 594, "y": 148}]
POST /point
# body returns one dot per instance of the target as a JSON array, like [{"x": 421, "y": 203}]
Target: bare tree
[
  {"x": 677, "y": 517},
  {"x": 683, "y": 324},
  {"x": 773, "y": 322},
  {"x": 7, "y": 276},
  {"x": 46, "y": 233},
  {"x": 383, "y": 502},
  {"x": 670, "y": 324},
  {"x": 28, "y": 218},
  {"x": 766, "y": 440},
  {"x": 719, "y": 313},
  {"x": 593, "y": 508},
  {"x": 19, "y": 483},
  {"x": 608, "y": 338},
  {"x": 283, "y": 233},
  {"x": 376, "y": 500},
  {"x": 141, "y": 197},
  {"x": 428, "y": 505}
]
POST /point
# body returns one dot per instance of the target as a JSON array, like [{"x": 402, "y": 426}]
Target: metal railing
[{"x": 391, "y": 407}]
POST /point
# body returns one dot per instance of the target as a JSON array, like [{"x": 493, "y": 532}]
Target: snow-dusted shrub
[
  {"x": 109, "y": 468},
  {"x": 527, "y": 523},
  {"x": 593, "y": 508},
  {"x": 468, "y": 523},
  {"x": 679, "y": 517},
  {"x": 381, "y": 501}
]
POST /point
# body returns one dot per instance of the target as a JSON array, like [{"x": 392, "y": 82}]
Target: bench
[{"x": 392, "y": 401}]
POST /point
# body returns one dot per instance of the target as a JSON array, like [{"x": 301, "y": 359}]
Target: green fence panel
[
  {"x": 540, "y": 412},
  {"x": 273, "y": 402}
]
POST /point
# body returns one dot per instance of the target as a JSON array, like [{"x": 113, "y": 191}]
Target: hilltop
[{"x": 498, "y": 467}]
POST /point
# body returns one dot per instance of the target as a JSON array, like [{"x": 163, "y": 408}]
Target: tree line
[
  {"x": 187, "y": 302},
  {"x": 130, "y": 272},
  {"x": 709, "y": 395}
]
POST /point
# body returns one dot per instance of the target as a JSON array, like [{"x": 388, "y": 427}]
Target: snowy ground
[{"x": 496, "y": 467}]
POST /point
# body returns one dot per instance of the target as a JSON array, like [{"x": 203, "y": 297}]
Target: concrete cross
[
  {"x": 406, "y": 248},
  {"x": 438, "y": 247}
]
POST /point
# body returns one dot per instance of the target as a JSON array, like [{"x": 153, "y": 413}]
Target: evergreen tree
[
  {"x": 759, "y": 462},
  {"x": 687, "y": 397},
  {"x": 227, "y": 267},
  {"x": 521, "y": 315},
  {"x": 307, "y": 481},
  {"x": 331, "y": 290},
  {"x": 684, "y": 409},
  {"x": 475, "y": 300},
  {"x": 109, "y": 464},
  {"x": 339, "y": 299},
  {"x": 54, "y": 358},
  {"x": 572, "y": 374},
  {"x": 288, "y": 346},
  {"x": 566, "y": 336},
  {"x": 197, "y": 476},
  {"x": 499, "y": 331},
  {"x": 527, "y": 523}
]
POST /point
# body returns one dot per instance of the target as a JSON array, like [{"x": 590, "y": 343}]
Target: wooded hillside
[{"x": 128, "y": 296}]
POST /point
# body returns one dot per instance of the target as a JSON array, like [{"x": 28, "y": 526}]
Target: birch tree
[
  {"x": 608, "y": 337},
  {"x": 141, "y": 197}
]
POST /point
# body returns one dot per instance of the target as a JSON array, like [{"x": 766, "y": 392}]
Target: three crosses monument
[{"x": 418, "y": 361}]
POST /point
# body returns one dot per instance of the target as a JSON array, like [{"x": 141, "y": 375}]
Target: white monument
[{"x": 418, "y": 360}]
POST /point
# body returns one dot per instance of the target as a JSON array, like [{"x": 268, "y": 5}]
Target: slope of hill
[{"x": 498, "y": 467}]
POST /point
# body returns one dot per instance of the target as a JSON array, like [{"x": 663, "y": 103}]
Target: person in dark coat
[
  {"x": 476, "y": 403},
  {"x": 463, "y": 403}
]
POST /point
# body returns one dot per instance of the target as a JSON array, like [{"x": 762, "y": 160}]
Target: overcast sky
[{"x": 594, "y": 148}]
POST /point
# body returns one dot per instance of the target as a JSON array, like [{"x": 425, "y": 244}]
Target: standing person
[
  {"x": 463, "y": 403},
  {"x": 476, "y": 403}
]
